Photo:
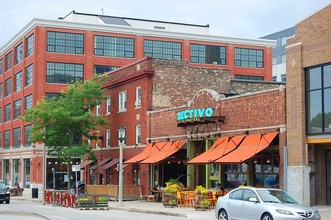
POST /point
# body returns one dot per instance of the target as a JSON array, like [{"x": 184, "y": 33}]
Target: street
[{"x": 60, "y": 213}]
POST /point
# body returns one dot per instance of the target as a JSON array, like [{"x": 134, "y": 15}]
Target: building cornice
[{"x": 132, "y": 31}]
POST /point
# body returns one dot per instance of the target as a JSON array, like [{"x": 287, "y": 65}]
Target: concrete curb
[{"x": 148, "y": 211}]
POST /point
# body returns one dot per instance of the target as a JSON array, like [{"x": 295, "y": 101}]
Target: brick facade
[{"x": 311, "y": 46}]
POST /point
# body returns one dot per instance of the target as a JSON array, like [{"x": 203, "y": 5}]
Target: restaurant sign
[{"x": 193, "y": 114}]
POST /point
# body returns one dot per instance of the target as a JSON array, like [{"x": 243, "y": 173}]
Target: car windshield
[
  {"x": 2, "y": 186},
  {"x": 275, "y": 196}
]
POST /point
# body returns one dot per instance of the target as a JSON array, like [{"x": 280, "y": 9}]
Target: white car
[{"x": 251, "y": 203}]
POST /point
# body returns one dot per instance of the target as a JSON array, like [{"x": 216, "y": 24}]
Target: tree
[{"x": 61, "y": 123}]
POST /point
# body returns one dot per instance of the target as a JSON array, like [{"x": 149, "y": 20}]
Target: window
[
  {"x": 138, "y": 97},
  {"x": 0, "y": 115},
  {"x": 65, "y": 42},
  {"x": 1, "y": 66},
  {"x": 7, "y": 113},
  {"x": 236, "y": 175},
  {"x": 28, "y": 75},
  {"x": 283, "y": 41},
  {"x": 283, "y": 77},
  {"x": 163, "y": 49},
  {"x": 108, "y": 105},
  {"x": 266, "y": 166},
  {"x": 114, "y": 46},
  {"x": 27, "y": 130},
  {"x": 107, "y": 137},
  {"x": 249, "y": 58},
  {"x": 236, "y": 195},
  {"x": 7, "y": 139},
  {"x": 29, "y": 45},
  {"x": 138, "y": 134},
  {"x": 17, "y": 108},
  {"x": 98, "y": 69},
  {"x": 19, "y": 53},
  {"x": 122, "y": 101},
  {"x": 53, "y": 95},
  {"x": 208, "y": 54},
  {"x": 0, "y": 90},
  {"x": 28, "y": 102},
  {"x": 245, "y": 77},
  {"x": 18, "y": 81},
  {"x": 64, "y": 72},
  {"x": 318, "y": 96},
  {"x": 8, "y": 87},
  {"x": 283, "y": 58},
  {"x": 9, "y": 60},
  {"x": 249, "y": 194},
  {"x": 274, "y": 78},
  {"x": 17, "y": 137},
  {"x": 97, "y": 110}
]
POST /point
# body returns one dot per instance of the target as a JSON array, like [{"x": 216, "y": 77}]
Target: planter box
[
  {"x": 170, "y": 199},
  {"x": 201, "y": 202},
  {"x": 92, "y": 202},
  {"x": 16, "y": 192}
]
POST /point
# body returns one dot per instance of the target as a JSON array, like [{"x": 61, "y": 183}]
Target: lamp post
[
  {"x": 44, "y": 172},
  {"x": 121, "y": 137}
]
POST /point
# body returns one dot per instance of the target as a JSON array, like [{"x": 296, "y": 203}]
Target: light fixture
[
  {"x": 255, "y": 161},
  {"x": 168, "y": 162},
  {"x": 268, "y": 160}
]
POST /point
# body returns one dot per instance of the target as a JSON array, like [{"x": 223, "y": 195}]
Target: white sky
[{"x": 230, "y": 18}]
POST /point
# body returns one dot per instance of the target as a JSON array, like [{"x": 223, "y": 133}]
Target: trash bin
[{"x": 34, "y": 193}]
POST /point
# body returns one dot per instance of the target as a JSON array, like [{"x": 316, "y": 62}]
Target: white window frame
[
  {"x": 108, "y": 105},
  {"x": 138, "y": 97},
  {"x": 122, "y": 101},
  {"x": 107, "y": 137},
  {"x": 97, "y": 110},
  {"x": 283, "y": 57},
  {"x": 138, "y": 134},
  {"x": 283, "y": 41}
]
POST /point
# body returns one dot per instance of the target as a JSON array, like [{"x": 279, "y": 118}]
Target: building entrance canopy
[{"x": 149, "y": 150}]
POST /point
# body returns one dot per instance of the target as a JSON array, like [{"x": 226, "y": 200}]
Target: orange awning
[
  {"x": 169, "y": 149},
  {"x": 110, "y": 164},
  {"x": 221, "y": 147},
  {"x": 251, "y": 145},
  {"x": 85, "y": 163},
  {"x": 149, "y": 150}
]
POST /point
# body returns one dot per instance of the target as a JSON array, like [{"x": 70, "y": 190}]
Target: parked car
[
  {"x": 252, "y": 203},
  {"x": 4, "y": 193}
]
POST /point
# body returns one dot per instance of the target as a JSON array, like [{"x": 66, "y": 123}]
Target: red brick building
[
  {"x": 308, "y": 109},
  {"x": 165, "y": 90},
  {"x": 46, "y": 55}
]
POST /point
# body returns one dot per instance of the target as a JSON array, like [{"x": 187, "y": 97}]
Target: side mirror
[{"x": 253, "y": 200}]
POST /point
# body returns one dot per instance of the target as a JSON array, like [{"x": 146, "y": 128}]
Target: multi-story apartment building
[
  {"x": 46, "y": 55},
  {"x": 279, "y": 53}
]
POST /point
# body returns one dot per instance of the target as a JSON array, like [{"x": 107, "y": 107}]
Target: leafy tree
[{"x": 62, "y": 122}]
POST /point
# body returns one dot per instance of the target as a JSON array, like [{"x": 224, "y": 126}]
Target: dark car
[{"x": 4, "y": 193}]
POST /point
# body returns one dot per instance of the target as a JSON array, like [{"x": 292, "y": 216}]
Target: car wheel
[
  {"x": 266, "y": 216},
  {"x": 223, "y": 215},
  {"x": 7, "y": 201}
]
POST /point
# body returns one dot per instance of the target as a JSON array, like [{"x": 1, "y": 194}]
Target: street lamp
[{"x": 121, "y": 138}]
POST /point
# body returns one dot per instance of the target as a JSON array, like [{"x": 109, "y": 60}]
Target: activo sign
[{"x": 194, "y": 113}]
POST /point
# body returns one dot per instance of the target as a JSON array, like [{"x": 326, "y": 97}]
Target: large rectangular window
[
  {"x": 9, "y": 61},
  {"x": 0, "y": 90},
  {"x": 29, "y": 45},
  {"x": 114, "y": 46},
  {"x": 108, "y": 105},
  {"x": 28, "y": 75},
  {"x": 138, "y": 97},
  {"x": 28, "y": 102},
  {"x": 208, "y": 54},
  {"x": 7, "y": 139},
  {"x": 7, "y": 113},
  {"x": 8, "y": 87},
  {"x": 138, "y": 134},
  {"x": 163, "y": 49},
  {"x": 107, "y": 137},
  {"x": 64, "y": 72},
  {"x": 17, "y": 108},
  {"x": 17, "y": 137},
  {"x": 18, "y": 81},
  {"x": 249, "y": 58},
  {"x": 65, "y": 42},
  {"x": 27, "y": 130},
  {"x": 318, "y": 96},
  {"x": 99, "y": 69},
  {"x": 247, "y": 77},
  {"x": 0, "y": 115},
  {"x": 19, "y": 53}
]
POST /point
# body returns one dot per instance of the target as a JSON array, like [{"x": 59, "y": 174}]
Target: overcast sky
[{"x": 230, "y": 18}]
